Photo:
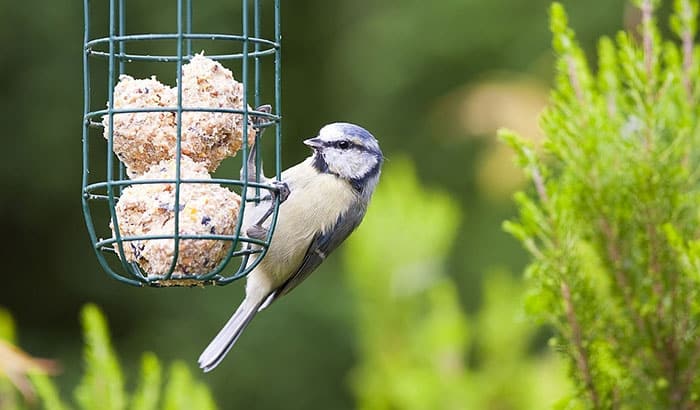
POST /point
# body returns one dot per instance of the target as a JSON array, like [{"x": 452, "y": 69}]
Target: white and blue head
[{"x": 349, "y": 152}]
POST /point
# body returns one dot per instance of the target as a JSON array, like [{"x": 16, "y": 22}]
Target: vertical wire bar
[
  {"x": 256, "y": 29},
  {"x": 278, "y": 97},
  {"x": 244, "y": 74},
  {"x": 86, "y": 102},
  {"x": 178, "y": 145},
  {"x": 86, "y": 127},
  {"x": 244, "y": 168},
  {"x": 86, "y": 150},
  {"x": 122, "y": 50},
  {"x": 275, "y": 214},
  {"x": 122, "y": 27},
  {"x": 188, "y": 28},
  {"x": 278, "y": 112},
  {"x": 110, "y": 140}
]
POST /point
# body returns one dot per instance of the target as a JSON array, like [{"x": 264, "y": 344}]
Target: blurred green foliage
[
  {"x": 612, "y": 221},
  {"x": 103, "y": 386},
  {"x": 414, "y": 336},
  {"x": 401, "y": 69},
  {"x": 9, "y": 395}
]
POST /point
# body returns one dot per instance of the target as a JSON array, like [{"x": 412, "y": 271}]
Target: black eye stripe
[
  {"x": 342, "y": 144},
  {"x": 351, "y": 145}
]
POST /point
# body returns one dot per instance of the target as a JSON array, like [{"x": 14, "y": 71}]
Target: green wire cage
[{"x": 110, "y": 53}]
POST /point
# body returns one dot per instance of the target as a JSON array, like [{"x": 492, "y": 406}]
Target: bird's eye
[{"x": 342, "y": 144}]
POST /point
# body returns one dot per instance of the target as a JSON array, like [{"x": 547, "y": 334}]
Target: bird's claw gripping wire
[
  {"x": 280, "y": 192},
  {"x": 251, "y": 164}
]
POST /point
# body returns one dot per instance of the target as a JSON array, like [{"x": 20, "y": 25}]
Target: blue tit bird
[{"x": 323, "y": 199}]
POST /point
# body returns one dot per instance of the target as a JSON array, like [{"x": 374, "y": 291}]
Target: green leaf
[
  {"x": 47, "y": 391},
  {"x": 103, "y": 384},
  {"x": 7, "y": 326},
  {"x": 182, "y": 392},
  {"x": 149, "y": 386},
  {"x": 613, "y": 225}
]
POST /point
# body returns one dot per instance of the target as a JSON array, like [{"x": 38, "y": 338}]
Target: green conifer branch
[{"x": 612, "y": 220}]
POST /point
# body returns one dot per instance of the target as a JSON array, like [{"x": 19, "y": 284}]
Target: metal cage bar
[{"x": 114, "y": 49}]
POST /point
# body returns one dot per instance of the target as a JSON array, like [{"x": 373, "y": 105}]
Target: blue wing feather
[{"x": 321, "y": 246}]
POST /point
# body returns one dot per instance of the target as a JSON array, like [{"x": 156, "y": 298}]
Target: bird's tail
[{"x": 228, "y": 335}]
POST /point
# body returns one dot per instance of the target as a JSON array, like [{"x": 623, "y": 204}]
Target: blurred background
[{"x": 433, "y": 320}]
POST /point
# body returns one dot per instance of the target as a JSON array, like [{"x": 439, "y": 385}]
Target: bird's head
[{"x": 349, "y": 152}]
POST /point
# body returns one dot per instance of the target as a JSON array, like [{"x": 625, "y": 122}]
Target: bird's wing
[{"x": 321, "y": 245}]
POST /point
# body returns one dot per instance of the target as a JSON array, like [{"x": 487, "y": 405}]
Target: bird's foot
[
  {"x": 258, "y": 232},
  {"x": 282, "y": 190},
  {"x": 251, "y": 166},
  {"x": 259, "y": 119}
]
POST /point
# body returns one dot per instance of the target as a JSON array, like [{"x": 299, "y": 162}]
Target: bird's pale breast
[{"x": 314, "y": 204}]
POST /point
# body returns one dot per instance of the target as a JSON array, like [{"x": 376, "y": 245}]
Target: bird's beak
[{"x": 314, "y": 142}]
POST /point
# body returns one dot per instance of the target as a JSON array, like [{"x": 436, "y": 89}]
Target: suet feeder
[{"x": 112, "y": 50}]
